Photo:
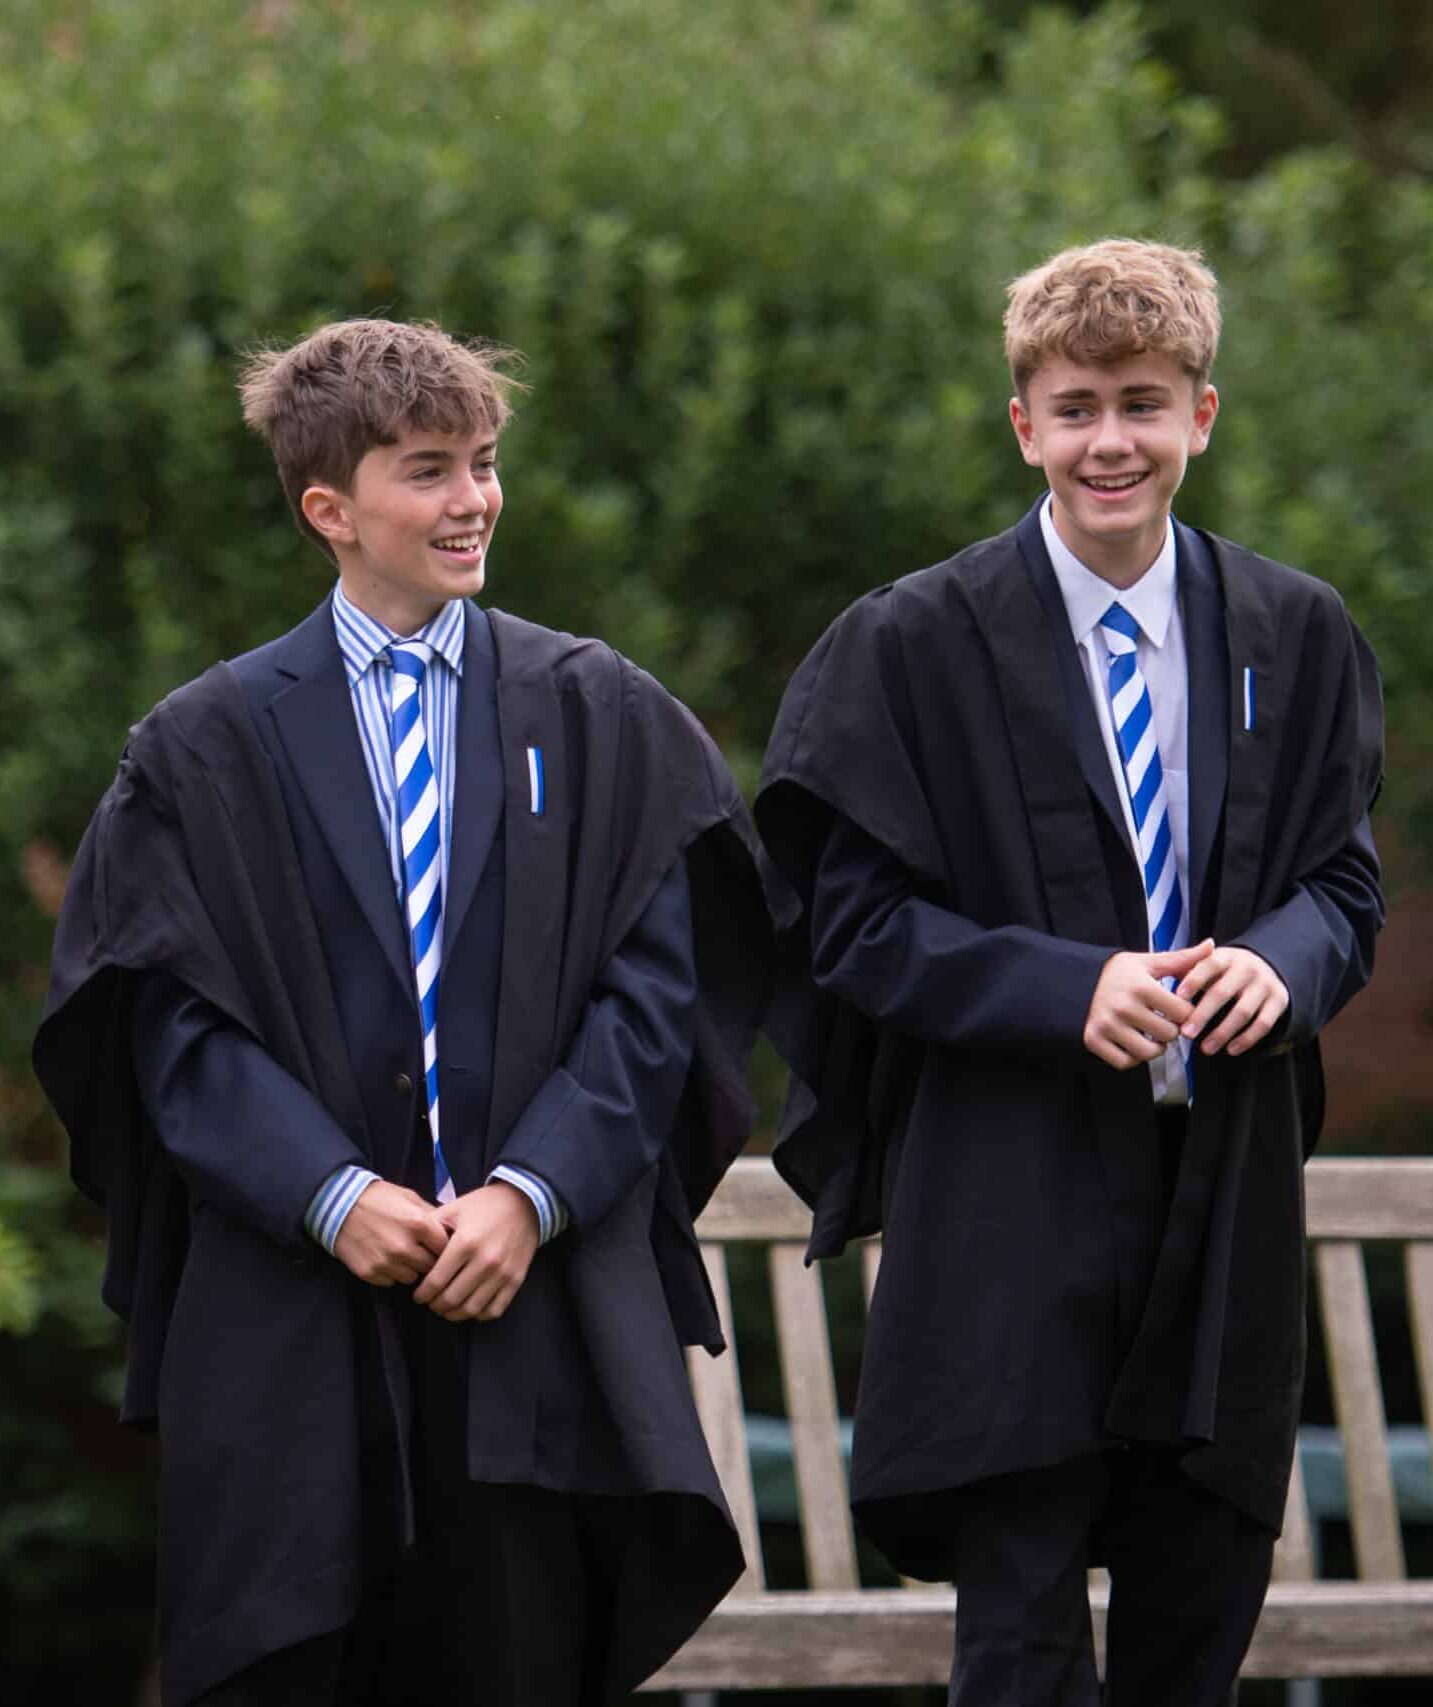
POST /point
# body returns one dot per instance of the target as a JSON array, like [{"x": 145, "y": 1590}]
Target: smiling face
[
  {"x": 414, "y": 531},
  {"x": 1114, "y": 440}
]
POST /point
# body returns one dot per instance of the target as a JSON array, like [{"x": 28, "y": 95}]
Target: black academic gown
[
  {"x": 937, "y": 797},
  {"x": 237, "y": 851}
]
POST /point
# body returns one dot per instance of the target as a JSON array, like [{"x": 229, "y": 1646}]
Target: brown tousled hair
[
  {"x": 322, "y": 404},
  {"x": 1112, "y": 300}
]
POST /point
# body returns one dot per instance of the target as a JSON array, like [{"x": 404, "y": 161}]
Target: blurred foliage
[
  {"x": 755, "y": 255},
  {"x": 1289, "y": 77}
]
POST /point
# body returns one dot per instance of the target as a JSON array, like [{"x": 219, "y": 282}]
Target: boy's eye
[{"x": 486, "y": 465}]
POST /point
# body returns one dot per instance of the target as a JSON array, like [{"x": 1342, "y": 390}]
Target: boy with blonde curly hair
[{"x": 1072, "y": 839}]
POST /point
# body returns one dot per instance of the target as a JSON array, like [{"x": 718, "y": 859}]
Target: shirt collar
[
  {"x": 362, "y": 639},
  {"x": 1150, "y": 601}
]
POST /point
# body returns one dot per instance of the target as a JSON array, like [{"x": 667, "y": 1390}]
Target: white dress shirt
[
  {"x": 363, "y": 642},
  {"x": 1159, "y": 652}
]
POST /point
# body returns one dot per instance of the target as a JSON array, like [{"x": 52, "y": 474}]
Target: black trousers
[
  {"x": 497, "y": 1605},
  {"x": 1188, "y": 1573}
]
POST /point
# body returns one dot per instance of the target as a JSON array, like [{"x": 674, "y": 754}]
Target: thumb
[{"x": 1175, "y": 962}]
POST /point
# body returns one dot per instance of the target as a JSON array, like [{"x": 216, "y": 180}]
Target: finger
[
  {"x": 1152, "y": 1021},
  {"x": 433, "y": 1234},
  {"x": 1135, "y": 1045},
  {"x": 456, "y": 1304},
  {"x": 1214, "y": 1000},
  {"x": 1156, "y": 998},
  {"x": 1100, "y": 1046},
  {"x": 421, "y": 1259},
  {"x": 1235, "y": 1021},
  {"x": 499, "y": 1305},
  {"x": 1257, "y": 1029},
  {"x": 1175, "y": 962},
  {"x": 469, "y": 1296},
  {"x": 440, "y": 1276},
  {"x": 1203, "y": 975}
]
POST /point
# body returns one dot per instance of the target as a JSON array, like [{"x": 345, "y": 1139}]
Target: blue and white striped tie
[
  {"x": 420, "y": 830},
  {"x": 1144, "y": 776}
]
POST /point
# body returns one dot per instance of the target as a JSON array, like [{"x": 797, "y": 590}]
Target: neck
[
  {"x": 404, "y": 617},
  {"x": 1119, "y": 562}
]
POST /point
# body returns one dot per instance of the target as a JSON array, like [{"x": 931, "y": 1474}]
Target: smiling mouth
[
  {"x": 1113, "y": 483},
  {"x": 461, "y": 544}
]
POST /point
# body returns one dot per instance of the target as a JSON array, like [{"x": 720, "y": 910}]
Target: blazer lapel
[
  {"x": 1034, "y": 657},
  {"x": 537, "y": 820},
  {"x": 1256, "y": 705},
  {"x": 1089, "y": 743},
  {"x": 477, "y": 773},
  {"x": 315, "y": 722},
  {"x": 1201, "y": 608}
]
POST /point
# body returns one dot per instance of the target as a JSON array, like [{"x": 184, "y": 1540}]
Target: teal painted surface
[{"x": 1320, "y": 1454}]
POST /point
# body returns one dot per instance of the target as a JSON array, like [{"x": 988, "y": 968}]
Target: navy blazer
[{"x": 248, "y": 1136}]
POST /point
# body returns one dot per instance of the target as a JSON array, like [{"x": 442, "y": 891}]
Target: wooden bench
[{"x": 836, "y": 1632}]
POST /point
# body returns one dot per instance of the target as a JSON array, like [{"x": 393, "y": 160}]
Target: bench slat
[
  {"x": 716, "y": 1387},
  {"x": 804, "y": 1343},
  {"x": 1294, "y": 1550},
  {"x": 870, "y": 1267},
  {"x": 1358, "y": 1402},
  {"x": 1369, "y": 1198},
  {"x": 1418, "y": 1260},
  {"x": 1347, "y": 1198},
  {"x": 888, "y": 1637}
]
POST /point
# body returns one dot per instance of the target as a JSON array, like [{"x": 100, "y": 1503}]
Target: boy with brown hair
[
  {"x": 1072, "y": 838},
  {"x": 399, "y": 1014}
]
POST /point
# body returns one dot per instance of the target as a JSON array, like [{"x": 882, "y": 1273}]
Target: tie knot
[
  {"x": 410, "y": 657},
  {"x": 1120, "y": 628}
]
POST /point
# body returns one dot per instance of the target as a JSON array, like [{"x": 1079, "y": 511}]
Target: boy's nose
[
  {"x": 1111, "y": 434},
  {"x": 468, "y": 497}
]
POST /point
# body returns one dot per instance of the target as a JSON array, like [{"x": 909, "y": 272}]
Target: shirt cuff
[
  {"x": 329, "y": 1206},
  {"x": 551, "y": 1210}
]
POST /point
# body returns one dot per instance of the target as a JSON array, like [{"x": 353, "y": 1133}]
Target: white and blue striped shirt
[{"x": 364, "y": 643}]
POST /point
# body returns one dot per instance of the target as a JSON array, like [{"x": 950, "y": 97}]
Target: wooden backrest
[{"x": 1348, "y": 1203}]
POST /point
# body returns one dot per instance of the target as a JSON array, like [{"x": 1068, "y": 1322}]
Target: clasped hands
[
  {"x": 1133, "y": 1017},
  {"x": 468, "y": 1257}
]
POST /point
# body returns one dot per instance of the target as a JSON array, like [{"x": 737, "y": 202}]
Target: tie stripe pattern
[
  {"x": 419, "y": 834},
  {"x": 1144, "y": 776}
]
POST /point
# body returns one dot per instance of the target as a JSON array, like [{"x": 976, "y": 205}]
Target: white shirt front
[{"x": 1159, "y": 652}]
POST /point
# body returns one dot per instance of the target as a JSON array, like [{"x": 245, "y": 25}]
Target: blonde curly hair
[{"x": 1111, "y": 300}]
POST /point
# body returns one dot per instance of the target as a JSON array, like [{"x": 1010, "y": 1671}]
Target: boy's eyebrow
[
  {"x": 440, "y": 453},
  {"x": 1079, "y": 393}
]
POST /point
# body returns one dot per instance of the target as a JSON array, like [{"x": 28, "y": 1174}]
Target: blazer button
[{"x": 403, "y": 1084}]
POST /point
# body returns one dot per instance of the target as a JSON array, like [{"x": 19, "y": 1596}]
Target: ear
[
  {"x": 1025, "y": 433},
  {"x": 325, "y": 509},
  {"x": 1206, "y": 407}
]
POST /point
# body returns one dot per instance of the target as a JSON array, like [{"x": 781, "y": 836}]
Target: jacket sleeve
[
  {"x": 242, "y": 1133},
  {"x": 908, "y": 962},
  {"x": 1320, "y": 939},
  {"x": 599, "y": 1122}
]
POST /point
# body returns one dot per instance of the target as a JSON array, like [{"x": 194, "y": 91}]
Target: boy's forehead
[
  {"x": 419, "y": 442},
  {"x": 1062, "y": 376}
]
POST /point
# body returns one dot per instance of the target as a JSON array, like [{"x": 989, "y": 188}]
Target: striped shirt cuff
[
  {"x": 330, "y": 1204},
  {"x": 551, "y": 1210}
]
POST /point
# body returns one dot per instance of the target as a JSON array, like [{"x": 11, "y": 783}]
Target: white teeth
[
  {"x": 461, "y": 542},
  {"x": 1114, "y": 483}
]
